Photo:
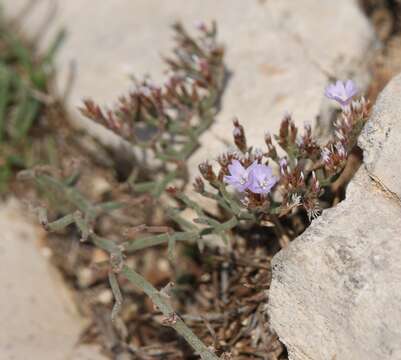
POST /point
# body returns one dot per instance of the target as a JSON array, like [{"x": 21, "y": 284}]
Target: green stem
[
  {"x": 159, "y": 300},
  {"x": 149, "y": 241}
]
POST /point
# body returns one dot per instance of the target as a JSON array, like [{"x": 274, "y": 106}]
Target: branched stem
[
  {"x": 116, "y": 256},
  {"x": 167, "y": 310}
]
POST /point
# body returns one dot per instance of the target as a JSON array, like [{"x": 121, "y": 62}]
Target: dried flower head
[
  {"x": 334, "y": 156},
  {"x": 199, "y": 185},
  {"x": 239, "y": 136},
  {"x": 206, "y": 170}
]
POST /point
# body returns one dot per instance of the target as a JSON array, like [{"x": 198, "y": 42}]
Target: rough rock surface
[
  {"x": 279, "y": 52},
  {"x": 38, "y": 318},
  {"x": 336, "y": 290},
  {"x": 381, "y": 140}
]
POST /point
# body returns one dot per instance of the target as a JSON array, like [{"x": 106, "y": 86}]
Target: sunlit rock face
[{"x": 336, "y": 290}]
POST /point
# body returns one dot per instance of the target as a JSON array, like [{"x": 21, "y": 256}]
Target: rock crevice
[{"x": 336, "y": 290}]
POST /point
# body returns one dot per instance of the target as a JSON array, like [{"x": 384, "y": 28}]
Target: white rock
[
  {"x": 38, "y": 317},
  {"x": 87, "y": 352},
  {"x": 381, "y": 138},
  {"x": 336, "y": 290}
]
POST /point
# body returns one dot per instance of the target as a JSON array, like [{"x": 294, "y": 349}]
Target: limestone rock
[
  {"x": 380, "y": 138},
  {"x": 38, "y": 317},
  {"x": 336, "y": 290}
]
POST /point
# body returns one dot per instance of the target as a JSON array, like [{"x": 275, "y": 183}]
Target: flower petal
[{"x": 236, "y": 169}]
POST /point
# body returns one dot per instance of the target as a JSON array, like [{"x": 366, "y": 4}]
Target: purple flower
[
  {"x": 261, "y": 179},
  {"x": 326, "y": 155},
  {"x": 342, "y": 92},
  {"x": 239, "y": 176},
  {"x": 200, "y": 25}
]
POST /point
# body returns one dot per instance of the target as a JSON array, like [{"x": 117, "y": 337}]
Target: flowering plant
[
  {"x": 252, "y": 187},
  {"x": 164, "y": 122},
  {"x": 271, "y": 184}
]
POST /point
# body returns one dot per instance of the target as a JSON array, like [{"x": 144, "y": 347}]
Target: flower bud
[
  {"x": 199, "y": 185},
  {"x": 206, "y": 171},
  {"x": 239, "y": 136}
]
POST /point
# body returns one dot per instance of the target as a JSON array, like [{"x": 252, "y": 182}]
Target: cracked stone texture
[
  {"x": 37, "y": 314},
  {"x": 279, "y": 53},
  {"x": 380, "y": 141},
  {"x": 336, "y": 290}
]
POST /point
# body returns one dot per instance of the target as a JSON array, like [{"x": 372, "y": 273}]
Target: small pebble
[
  {"x": 86, "y": 277},
  {"x": 105, "y": 297}
]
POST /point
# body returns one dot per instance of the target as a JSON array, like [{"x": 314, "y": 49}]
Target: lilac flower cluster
[
  {"x": 305, "y": 170},
  {"x": 257, "y": 178}
]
